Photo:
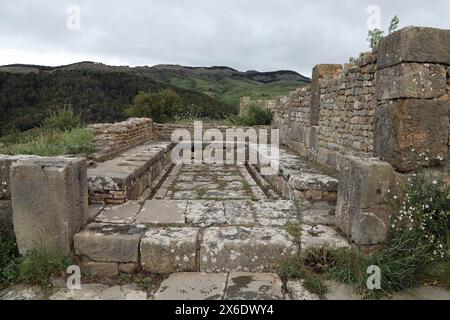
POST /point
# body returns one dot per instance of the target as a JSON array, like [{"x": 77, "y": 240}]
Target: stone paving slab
[
  {"x": 169, "y": 250},
  {"x": 245, "y": 249},
  {"x": 239, "y": 212},
  {"x": 109, "y": 242},
  {"x": 318, "y": 216},
  {"x": 121, "y": 214},
  {"x": 254, "y": 286},
  {"x": 192, "y": 286},
  {"x": 275, "y": 213},
  {"x": 94, "y": 210},
  {"x": 100, "y": 292},
  {"x": 162, "y": 212},
  {"x": 201, "y": 212},
  {"x": 321, "y": 236}
]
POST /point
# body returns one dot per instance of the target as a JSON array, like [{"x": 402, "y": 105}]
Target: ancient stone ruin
[{"x": 347, "y": 140}]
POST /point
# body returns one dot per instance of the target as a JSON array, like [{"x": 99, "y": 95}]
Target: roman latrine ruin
[
  {"x": 371, "y": 119},
  {"x": 366, "y": 121}
]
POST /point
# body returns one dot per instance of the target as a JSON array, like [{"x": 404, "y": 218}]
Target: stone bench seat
[
  {"x": 127, "y": 176},
  {"x": 296, "y": 178}
]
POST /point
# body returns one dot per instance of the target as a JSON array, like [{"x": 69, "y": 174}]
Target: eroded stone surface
[
  {"x": 100, "y": 292},
  {"x": 254, "y": 286},
  {"x": 122, "y": 214},
  {"x": 21, "y": 292},
  {"x": 321, "y": 236},
  {"x": 200, "y": 212},
  {"x": 109, "y": 243},
  {"x": 245, "y": 249},
  {"x": 192, "y": 286},
  {"x": 167, "y": 250},
  {"x": 162, "y": 212},
  {"x": 239, "y": 212}
]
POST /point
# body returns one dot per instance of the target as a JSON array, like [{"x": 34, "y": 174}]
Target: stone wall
[
  {"x": 112, "y": 139},
  {"x": 374, "y": 120},
  {"x": 391, "y": 104}
]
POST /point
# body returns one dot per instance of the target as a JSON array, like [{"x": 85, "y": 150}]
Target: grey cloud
[{"x": 245, "y": 34}]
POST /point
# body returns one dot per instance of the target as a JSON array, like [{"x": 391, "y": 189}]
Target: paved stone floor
[
  {"x": 209, "y": 286},
  {"x": 214, "y": 232}
]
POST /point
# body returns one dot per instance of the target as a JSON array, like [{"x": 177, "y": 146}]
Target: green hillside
[{"x": 230, "y": 90}]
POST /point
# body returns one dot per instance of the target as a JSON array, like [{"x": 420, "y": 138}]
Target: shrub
[
  {"x": 254, "y": 115},
  {"x": 8, "y": 258},
  {"x": 161, "y": 106},
  {"x": 77, "y": 141},
  {"x": 61, "y": 119},
  {"x": 38, "y": 265}
]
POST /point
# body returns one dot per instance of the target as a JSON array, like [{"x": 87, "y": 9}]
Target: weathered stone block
[
  {"x": 169, "y": 250},
  {"x": 320, "y": 236},
  {"x": 193, "y": 286},
  {"x": 404, "y": 129},
  {"x": 415, "y": 44},
  {"x": 99, "y": 269},
  {"x": 120, "y": 214},
  {"x": 254, "y": 286},
  {"x": 109, "y": 243},
  {"x": 5, "y": 166},
  {"x": 245, "y": 249},
  {"x": 162, "y": 212},
  {"x": 365, "y": 199},
  {"x": 49, "y": 201},
  {"x": 411, "y": 80}
]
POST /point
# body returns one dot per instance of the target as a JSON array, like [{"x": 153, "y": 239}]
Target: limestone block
[
  {"x": 162, "y": 212},
  {"x": 404, "y": 129},
  {"x": 193, "y": 286},
  {"x": 169, "y": 250},
  {"x": 415, "y": 44},
  {"x": 320, "y": 236},
  {"x": 365, "y": 199},
  {"x": 254, "y": 286},
  {"x": 411, "y": 80},
  {"x": 5, "y": 166},
  {"x": 109, "y": 243},
  {"x": 99, "y": 269},
  {"x": 245, "y": 249},
  {"x": 49, "y": 201}
]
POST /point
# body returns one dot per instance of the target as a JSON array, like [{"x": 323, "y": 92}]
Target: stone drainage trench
[{"x": 216, "y": 231}]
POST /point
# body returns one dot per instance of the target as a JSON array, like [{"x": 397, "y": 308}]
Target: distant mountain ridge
[
  {"x": 222, "y": 83},
  {"x": 157, "y": 72}
]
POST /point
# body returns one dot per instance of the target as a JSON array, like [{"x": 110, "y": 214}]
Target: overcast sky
[{"x": 243, "y": 34}]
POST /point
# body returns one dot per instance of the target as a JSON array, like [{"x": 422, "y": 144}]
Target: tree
[
  {"x": 376, "y": 35},
  {"x": 160, "y": 106}
]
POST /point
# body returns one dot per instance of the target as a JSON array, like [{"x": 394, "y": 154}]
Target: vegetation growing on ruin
[
  {"x": 36, "y": 267},
  {"x": 161, "y": 106},
  {"x": 418, "y": 248},
  {"x": 254, "y": 115},
  {"x": 376, "y": 35},
  {"x": 62, "y": 133}
]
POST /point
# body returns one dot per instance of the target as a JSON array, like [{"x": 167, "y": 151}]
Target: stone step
[
  {"x": 221, "y": 286},
  {"x": 110, "y": 248}
]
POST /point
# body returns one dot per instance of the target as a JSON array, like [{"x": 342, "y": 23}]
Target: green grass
[
  {"x": 36, "y": 267},
  {"x": 51, "y": 143},
  {"x": 230, "y": 91}
]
